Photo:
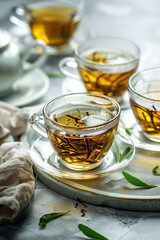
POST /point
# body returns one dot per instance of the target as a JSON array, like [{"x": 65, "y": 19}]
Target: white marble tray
[{"x": 112, "y": 190}]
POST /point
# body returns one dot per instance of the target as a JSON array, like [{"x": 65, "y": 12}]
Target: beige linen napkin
[{"x": 16, "y": 174}]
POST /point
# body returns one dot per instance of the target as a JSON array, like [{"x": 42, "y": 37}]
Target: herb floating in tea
[
  {"x": 50, "y": 217},
  {"x": 91, "y": 233},
  {"x": 135, "y": 181},
  {"x": 76, "y": 149},
  {"x": 102, "y": 82},
  {"x": 148, "y": 118},
  {"x": 125, "y": 154},
  {"x": 155, "y": 171}
]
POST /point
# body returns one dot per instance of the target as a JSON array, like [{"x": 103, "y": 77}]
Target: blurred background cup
[
  {"x": 80, "y": 127},
  {"x": 144, "y": 93},
  {"x": 53, "y": 21},
  {"x": 105, "y": 65},
  {"x": 14, "y": 62}
]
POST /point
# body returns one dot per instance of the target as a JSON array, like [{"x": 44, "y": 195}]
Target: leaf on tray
[
  {"x": 50, "y": 217},
  {"x": 155, "y": 171},
  {"x": 91, "y": 233},
  {"x": 135, "y": 181}
]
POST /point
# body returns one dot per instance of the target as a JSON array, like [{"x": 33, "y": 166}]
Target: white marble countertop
[{"x": 138, "y": 21}]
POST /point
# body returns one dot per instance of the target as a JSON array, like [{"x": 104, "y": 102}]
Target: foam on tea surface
[
  {"x": 109, "y": 57},
  {"x": 83, "y": 117}
]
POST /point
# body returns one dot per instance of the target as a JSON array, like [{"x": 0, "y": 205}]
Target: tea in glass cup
[
  {"x": 53, "y": 21},
  {"x": 105, "y": 65},
  {"x": 144, "y": 93},
  {"x": 80, "y": 127}
]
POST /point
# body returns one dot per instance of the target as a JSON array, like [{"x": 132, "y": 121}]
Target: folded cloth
[{"x": 16, "y": 173}]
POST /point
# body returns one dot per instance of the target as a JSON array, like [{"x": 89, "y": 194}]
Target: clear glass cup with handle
[
  {"x": 80, "y": 127},
  {"x": 104, "y": 65},
  {"x": 53, "y": 21},
  {"x": 144, "y": 94}
]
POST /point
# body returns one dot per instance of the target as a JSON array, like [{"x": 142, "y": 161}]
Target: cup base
[
  {"x": 80, "y": 168},
  {"x": 151, "y": 138},
  {"x": 56, "y": 50},
  {"x": 59, "y": 163}
]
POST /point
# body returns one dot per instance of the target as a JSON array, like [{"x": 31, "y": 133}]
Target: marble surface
[{"x": 138, "y": 21}]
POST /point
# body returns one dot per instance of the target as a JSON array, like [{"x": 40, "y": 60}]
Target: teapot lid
[{"x": 5, "y": 39}]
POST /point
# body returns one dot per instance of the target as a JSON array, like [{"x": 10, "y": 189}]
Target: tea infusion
[
  {"x": 112, "y": 84},
  {"x": 148, "y": 118},
  {"x": 82, "y": 150},
  {"x": 51, "y": 23}
]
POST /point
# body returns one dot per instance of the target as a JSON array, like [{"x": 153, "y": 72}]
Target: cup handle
[
  {"x": 27, "y": 67},
  {"x": 37, "y": 123},
  {"x": 17, "y": 17},
  {"x": 69, "y": 67}
]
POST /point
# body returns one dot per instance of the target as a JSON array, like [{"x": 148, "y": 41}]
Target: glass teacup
[
  {"x": 144, "y": 93},
  {"x": 105, "y": 65},
  {"x": 80, "y": 127},
  {"x": 53, "y": 21}
]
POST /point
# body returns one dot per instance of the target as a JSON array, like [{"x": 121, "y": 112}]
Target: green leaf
[
  {"x": 91, "y": 233},
  {"x": 127, "y": 130},
  {"x": 117, "y": 150},
  {"x": 155, "y": 170},
  {"x": 125, "y": 153},
  {"x": 135, "y": 181},
  {"x": 54, "y": 75},
  {"x": 50, "y": 217}
]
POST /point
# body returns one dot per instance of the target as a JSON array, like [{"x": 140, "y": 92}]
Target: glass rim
[
  {"x": 131, "y": 89},
  {"x": 83, "y": 128},
  {"x": 137, "y": 56},
  {"x": 79, "y": 6}
]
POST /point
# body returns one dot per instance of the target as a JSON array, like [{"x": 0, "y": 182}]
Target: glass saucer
[{"x": 44, "y": 157}]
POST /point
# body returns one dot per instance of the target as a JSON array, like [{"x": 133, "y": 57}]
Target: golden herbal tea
[
  {"x": 52, "y": 23},
  {"x": 82, "y": 149},
  {"x": 112, "y": 84},
  {"x": 148, "y": 117}
]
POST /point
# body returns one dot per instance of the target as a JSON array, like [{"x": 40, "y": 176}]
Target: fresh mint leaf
[
  {"x": 117, "y": 150},
  {"x": 125, "y": 154},
  {"x": 155, "y": 171},
  {"x": 50, "y": 217},
  {"x": 127, "y": 130},
  {"x": 135, "y": 181},
  {"x": 91, "y": 233},
  {"x": 54, "y": 75}
]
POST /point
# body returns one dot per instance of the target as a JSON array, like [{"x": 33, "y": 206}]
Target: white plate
[
  {"x": 44, "y": 157},
  {"x": 28, "y": 89}
]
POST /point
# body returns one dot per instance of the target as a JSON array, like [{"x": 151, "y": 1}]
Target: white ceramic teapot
[{"x": 13, "y": 61}]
